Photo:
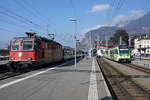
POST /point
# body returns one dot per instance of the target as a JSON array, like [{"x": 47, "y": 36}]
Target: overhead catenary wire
[
  {"x": 27, "y": 9},
  {"x": 10, "y": 31},
  {"x": 18, "y": 17},
  {"x": 14, "y": 24},
  {"x": 39, "y": 15},
  {"x": 116, "y": 5},
  {"x": 146, "y": 5},
  {"x": 15, "y": 18},
  {"x": 73, "y": 8},
  {"x": 75, "y": 15}
]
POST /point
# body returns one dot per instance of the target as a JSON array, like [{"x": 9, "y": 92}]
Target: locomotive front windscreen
[
  {"x": 27, "y": 45},
  {"x": 123, "y": 47},
  {"x": 124, "y": 51},
  {"x": 15, "y": 45}
]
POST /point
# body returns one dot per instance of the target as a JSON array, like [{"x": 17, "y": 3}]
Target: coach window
[
  {"x": 27, "y": 45},
  {"x": 115, "y": 51},
  {"x": 46, "y": 46}
]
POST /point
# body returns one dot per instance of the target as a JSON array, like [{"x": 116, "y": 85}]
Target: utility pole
[
  {"x": 75, "y": 36},
  {"x": 52, "y": 36},
  {"x": 129, "y": 41},
  {"x": 97, "y": 42},
  {"x": 106, "y": 43},
  {"x": 91, "y": 45},
  {"x": 120, "y": 40},
  {"x": 47, "y": 30}
]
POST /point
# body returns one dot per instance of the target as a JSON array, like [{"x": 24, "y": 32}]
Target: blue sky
[{"x": 16, "y": 16}]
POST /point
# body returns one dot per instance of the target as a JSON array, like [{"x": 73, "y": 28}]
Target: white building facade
[{"x": 142, "y": 44}]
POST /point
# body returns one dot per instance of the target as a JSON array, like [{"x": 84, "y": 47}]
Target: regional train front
[{"x": 124, "y": 54}]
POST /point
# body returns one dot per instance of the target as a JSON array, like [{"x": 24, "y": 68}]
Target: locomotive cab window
[
  {"x": 15, "y": 45},
  {"x": 27, "y": 45}
]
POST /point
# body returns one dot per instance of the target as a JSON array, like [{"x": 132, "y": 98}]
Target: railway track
[
  {"x": 122, "y": 85},
  {"x": 8, "y": 75},
  {"x": 142, "y": 69}
]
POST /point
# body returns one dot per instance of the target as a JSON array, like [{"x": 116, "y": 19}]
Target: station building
[
  {"x": 142, "y": 45},
  {"x": 103, "y": 44}
]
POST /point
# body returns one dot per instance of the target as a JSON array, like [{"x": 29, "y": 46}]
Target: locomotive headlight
[
  {"x": 12, "y": 58},
  {"x": 29, "y": 59}
]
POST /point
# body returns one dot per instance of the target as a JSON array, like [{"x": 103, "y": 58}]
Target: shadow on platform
[
  {"x": 71, "y": 62},
  {"x": 106, "y": 98}
]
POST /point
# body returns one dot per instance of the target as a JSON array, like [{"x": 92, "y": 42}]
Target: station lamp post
[{"x": 75, "y": 37}]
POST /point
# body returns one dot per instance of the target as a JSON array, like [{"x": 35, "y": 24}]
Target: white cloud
[
  {"x": 122, "y": 20},
  {"x": 92, "y": 28},
  {"x": 97, "y": 8}
]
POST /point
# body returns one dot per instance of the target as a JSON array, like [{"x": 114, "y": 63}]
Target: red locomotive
[{"x": 27, "y": 52}]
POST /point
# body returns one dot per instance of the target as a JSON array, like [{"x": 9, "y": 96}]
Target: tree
[
  {"x": 120, "y": 33},
  {"x": 133, "y": 38}
]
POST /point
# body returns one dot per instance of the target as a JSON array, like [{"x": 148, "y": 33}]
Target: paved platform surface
[
  {"x": 3, "y": 62},
  {"x": 143, "y": 63},
  {"x": 59, "y": 83}
]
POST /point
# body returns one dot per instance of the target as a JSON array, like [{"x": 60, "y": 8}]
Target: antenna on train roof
[{"x": 31, "y": 34}]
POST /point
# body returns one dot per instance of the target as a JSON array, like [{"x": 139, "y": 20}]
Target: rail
[{"x": 145, "y": 69}]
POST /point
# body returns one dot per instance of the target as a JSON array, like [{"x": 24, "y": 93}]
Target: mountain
[
  {"x": 141, "y": 25},
  {"x": 138, "y": 26},
  {"x": 97, "y": 34}
]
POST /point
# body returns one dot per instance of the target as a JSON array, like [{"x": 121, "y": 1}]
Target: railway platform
[
  {"x": 63, "y": 82},
  {"x": 3, "y": 62},
  {"x": 142, "y": 63}
]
